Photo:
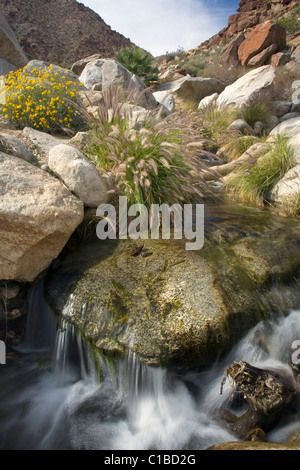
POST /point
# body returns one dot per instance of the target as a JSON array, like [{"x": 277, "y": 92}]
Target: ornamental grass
[{"x": 160, "y": 162}]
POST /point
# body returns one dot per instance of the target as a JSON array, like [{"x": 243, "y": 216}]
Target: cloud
[{"x": 162, "y": 25}]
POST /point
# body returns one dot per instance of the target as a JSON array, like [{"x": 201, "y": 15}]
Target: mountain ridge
[{"x": 61, "y": 31}]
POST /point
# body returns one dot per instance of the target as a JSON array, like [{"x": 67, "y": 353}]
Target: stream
[{"x": 58, "y": 393}]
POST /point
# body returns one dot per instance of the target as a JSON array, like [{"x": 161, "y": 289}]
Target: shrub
[
  {"x": 254, "y": 183},
  {"x": 178, "y": 54},
  {"x": 44, "y": 99},
  {"x": 159, "y": 163},
  {"x": 139, "y": 62},
  {"x": 291, "y": 21},
  {"x": 206, "y": 64}
]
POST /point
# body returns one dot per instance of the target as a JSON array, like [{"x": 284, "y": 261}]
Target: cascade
[{"x": 78, "y": 398}]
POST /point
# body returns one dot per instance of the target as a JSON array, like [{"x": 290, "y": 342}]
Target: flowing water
[{"x": 66, "y": 396}]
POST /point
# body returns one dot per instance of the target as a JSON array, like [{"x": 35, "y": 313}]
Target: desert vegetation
[{"x": 42, "y": 98}]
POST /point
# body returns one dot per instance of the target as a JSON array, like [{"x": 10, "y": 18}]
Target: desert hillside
[{"x": 60, "y": 31}]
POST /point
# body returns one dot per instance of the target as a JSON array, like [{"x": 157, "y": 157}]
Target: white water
[{"x": 55, "y": 400}]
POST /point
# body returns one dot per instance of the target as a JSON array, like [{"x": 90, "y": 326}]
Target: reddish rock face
[
  {"x": 280, "y": 58},
  {"x": 229, "y": 57},
  {"x": 259, "y": 38},
  {"x": 248, "y": 5},
  {"x": 242, "y": 21},
  {"x": 262, "y": 57}
]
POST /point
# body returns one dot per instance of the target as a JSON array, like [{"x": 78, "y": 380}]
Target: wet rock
[
  {"x": 176, "y": 307},
  {"x": 10, "y": 291}
]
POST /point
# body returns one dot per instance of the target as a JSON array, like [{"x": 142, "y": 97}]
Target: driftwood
[{"x": 266, "y": 394}]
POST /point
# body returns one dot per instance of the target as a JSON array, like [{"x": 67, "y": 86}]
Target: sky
[{"x": 161, "y": 26}]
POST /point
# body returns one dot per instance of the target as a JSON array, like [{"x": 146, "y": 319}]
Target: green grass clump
[
  {"x": 159, "y": 163},
  {"x": 139, "y": 62},
  {"x": 296, "y": 207},
  {"x": 216, "y": 121},
  {"x": 253, "y": 112},
  {"x": 253, "y": 183}
]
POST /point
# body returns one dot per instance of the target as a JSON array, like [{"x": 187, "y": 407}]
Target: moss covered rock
[{"x": 182, "y": 308}]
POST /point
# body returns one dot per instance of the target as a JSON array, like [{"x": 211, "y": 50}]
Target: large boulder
[
  {"x": 286, "y": 192},
  {"x": 181, "y": 308},
  {"x": 262, "y": 57},
  {"x": 41, "y": 143},
  {"x": 241, "y": 21},
  {"x": 229, "y": 56},
  {"x": 115, "y": 75},
  {"x": 92, "y": 74},
  {"x": 294, "y": 143},
  {"x": 193, "y": 88},
  {"x": 11, "y": 145},
  {"x": 261, "y": 37},
  {"x": 289, "y": 128},
  {"x": 79, "y": 174},
  {"x": 12, "y": 56},
  {"x": 255, "y": 85},
  {"x": 37, "y": 217},
  {"x": 79, "y": 65},
  {"x": 166, "y": 100},
  {"x": 208, "y": 101}
]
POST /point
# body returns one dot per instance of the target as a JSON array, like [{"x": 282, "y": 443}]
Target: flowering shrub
[{"x": 42, "y": 98}]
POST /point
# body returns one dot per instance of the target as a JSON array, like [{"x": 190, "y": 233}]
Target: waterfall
[
  {"x": 76, "y": 397},
  {"x": 41, "y": 323}
]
